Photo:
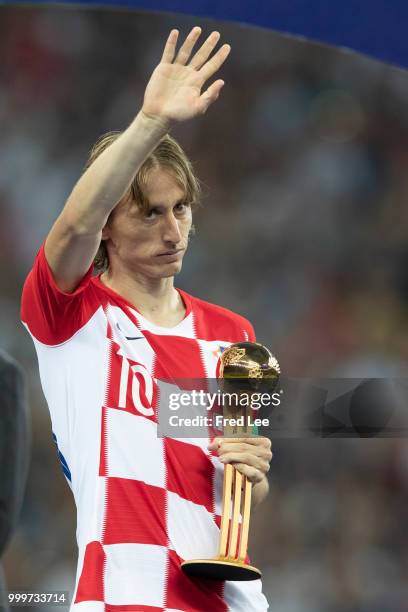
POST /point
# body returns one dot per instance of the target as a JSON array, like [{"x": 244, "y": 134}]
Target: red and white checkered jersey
[{"x": 144, "y": 503}]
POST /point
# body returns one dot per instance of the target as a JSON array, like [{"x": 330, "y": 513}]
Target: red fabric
[
  {"x": 179, "y": 359},
  {"x": 224, "y": 323},
  {"x": 124, "y": 526},
  {"x": 122, "y": 608},
  {"x": 182, "y": 590},
  {"x": 90, "y": 586},
  {"x": 183, "y": 459},
  {"x": 52, "y": 315}
]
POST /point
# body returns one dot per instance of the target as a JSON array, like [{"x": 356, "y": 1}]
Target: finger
[
  {"x": 253, "y": 441},
  {"x": 210, "y": 96},
  {"x": 247, "y": 459},
  {"x": 263, "y": 455},
  {"x": 204, "y": 52},
  {"x": 170, "y": 47},
  {"x": 226, "y": 447},
  {"x": 187, "y": 46},
  {"x": 231, "y": 439},
  {"x": 259, "y": 441},
  {"x": 253, "y": 475},
  {"x": 213, "y": 446},
  {"x": 214, "y": 63}
]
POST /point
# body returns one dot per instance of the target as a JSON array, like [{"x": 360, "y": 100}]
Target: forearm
[
  {"x": 259, "y": 491},
  {"x": 108, "y": 178}
]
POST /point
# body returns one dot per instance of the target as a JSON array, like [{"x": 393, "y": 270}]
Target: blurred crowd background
[{"x": 304, "y": 163}]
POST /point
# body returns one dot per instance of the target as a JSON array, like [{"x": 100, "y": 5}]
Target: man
[
  {"x": 144, "y": 503},
  {"x": 14, "y": 453}
]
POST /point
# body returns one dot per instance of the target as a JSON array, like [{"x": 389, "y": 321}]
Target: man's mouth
[{"x": 168, "y": 255}]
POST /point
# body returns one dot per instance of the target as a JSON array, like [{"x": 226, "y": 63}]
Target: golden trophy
[{"x": 245, "y": 368}]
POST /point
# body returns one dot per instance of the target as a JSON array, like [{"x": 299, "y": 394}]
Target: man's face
[{"x": 151, "y": 243}]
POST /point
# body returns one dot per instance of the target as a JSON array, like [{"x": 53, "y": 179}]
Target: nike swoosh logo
[{"x": 129, "y": 337}]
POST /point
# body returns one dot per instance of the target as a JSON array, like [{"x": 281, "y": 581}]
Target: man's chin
[
  {"x": 174, "y": 269},
  {"x": 168, "y": 270}
]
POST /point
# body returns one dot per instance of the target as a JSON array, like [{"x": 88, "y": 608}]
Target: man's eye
[
  {"x": 151, "y": 213},
  {"x": 181, "y": 206}
]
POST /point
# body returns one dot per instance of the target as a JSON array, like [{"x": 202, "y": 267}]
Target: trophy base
[{"x": 220, "y": 569}]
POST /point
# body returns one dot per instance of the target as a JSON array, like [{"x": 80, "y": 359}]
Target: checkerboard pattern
[{"x": 144, "y": 503}]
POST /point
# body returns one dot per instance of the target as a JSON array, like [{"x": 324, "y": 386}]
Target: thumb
[
  {"x": 214, "y": 444},
  {"x": 210, "y": 95}
]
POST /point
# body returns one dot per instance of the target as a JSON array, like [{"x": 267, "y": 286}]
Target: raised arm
[{"x": 173, "y": 94}]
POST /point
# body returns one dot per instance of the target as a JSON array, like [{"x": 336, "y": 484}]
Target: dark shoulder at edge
[{"x": 7, "y": 362}]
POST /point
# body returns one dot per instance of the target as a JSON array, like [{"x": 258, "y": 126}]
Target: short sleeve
[{"x": 51, "y": 315}]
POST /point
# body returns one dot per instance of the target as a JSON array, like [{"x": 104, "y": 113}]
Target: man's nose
[{"x": 171, "y": 232}]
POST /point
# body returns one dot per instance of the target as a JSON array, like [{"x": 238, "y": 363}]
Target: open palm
[{"x": 174, "y": 89}]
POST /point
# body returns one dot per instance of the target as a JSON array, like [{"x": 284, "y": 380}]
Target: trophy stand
[
  {"x": 244, "y": 366},
  {"x": 236, "y": 501}
]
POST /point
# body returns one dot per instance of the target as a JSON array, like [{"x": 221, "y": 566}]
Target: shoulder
[
  {"x": 218, "y": 312},
  {"x": 51, "y": 315},
  {"x": 12, "y": 390},
  {"x": 215, "y": 322}
]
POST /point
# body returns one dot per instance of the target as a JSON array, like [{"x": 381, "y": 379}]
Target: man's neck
[{"x": 156, "y": 299}]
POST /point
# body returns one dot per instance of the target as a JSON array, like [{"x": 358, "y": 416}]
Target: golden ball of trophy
[{"x": 248, "y": 366}]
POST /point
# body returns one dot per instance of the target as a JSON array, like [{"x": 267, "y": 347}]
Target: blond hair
[{"x": 167, "y": 155}]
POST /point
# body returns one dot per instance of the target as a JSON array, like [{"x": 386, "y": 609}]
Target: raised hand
[{"x": 173, "y": 92}]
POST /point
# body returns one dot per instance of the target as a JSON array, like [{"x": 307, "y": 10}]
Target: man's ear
[{"x": 105, "y": 232}]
